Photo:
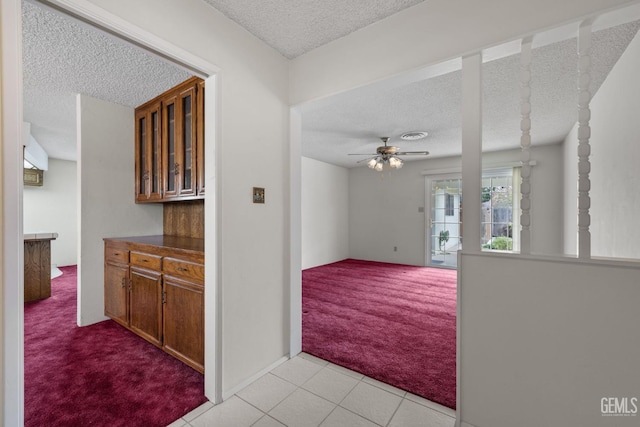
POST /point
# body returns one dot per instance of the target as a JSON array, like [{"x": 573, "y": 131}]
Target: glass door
[
  {"x": 443, "y": 221},
  {"x": 498, "y": 208}
]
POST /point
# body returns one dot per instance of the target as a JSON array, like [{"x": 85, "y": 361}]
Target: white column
[
  {"x": 525, "y": 144},
  {"x": 472, "y": 151},
  {"x": 584, "y": 133}
]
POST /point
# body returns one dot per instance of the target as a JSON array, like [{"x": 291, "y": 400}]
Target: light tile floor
[{"x": 310, "y": 392}]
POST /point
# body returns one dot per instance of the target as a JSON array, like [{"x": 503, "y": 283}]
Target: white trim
[
  {"x": 213, "y": 254},
  {"x": 12, "y": 281},
  {"x": 485, "y": 167},
  {"x": 227, "y": 394},
  {"x": 444, "y": 171},
  {"x": 566, "y": 259},
  {"x": 295, "y": 232}
]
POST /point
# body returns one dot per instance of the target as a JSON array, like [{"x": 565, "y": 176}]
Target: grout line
[
  {"x": 265, "y": 415},
  {"x": 440, "y": 411},
  {"x": 328, "y": 415},
  {"x": 383, "y": 389},
  {"x": 352, "y": 388},
  {"x": 394, "y": 413},
  {"x": 360, "y": 415},
  {"x": 251, "y": 404}
]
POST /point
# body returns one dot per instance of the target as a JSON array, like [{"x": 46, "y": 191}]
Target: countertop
[{"x": 40, "y": 236}]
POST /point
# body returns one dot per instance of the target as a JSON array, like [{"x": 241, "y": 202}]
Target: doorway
[
  {"x": 12, "y": 173},
  {"x": 443, "y": 226}
]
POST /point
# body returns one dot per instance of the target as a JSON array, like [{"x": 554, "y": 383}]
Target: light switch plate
[{"x": 258, "y": 195}]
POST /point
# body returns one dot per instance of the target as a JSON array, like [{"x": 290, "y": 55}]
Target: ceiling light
[
  {"x": 395, "y": 162},
  {"x": 412, "y": 136},
  {"x": 372, "y": 163}
]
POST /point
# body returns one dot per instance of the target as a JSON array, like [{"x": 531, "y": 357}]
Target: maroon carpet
[
  {"x": 395, "y": 323},
  {"x": 98, "y": 375}
]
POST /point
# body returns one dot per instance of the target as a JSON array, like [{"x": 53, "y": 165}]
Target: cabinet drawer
[
  {"x": 186, "y": 269},
  {"x": 116, "y": 254},
  {"x": 140, "y": 259}
]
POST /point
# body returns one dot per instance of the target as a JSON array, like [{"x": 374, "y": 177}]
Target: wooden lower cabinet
[
  {"x": 116, "y": 292},
  {"x": 145, "y": 306},
  {"x": 154, "y": 286},
  {"x": 184, "y": 321}
]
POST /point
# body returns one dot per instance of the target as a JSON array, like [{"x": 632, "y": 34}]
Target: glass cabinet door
[
  {"x": 179, "y": 143},
  {"x": 170, "y": 164},
  {"x": 141, "y": 157},
  {"x": 187, "y": 142},
  {"x": 156, "y": 155},
  {"x": 147, "y": 166}
]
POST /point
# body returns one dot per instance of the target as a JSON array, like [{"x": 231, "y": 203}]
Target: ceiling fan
[{"x": 388, "y": 155}]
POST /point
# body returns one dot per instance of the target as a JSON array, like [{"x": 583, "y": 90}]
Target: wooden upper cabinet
[
  {"x": 170, "y": 141},
  {"x": 148, "y": 154}
]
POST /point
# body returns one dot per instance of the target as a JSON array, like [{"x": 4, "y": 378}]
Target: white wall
[
  {"x": 542, "y": 341},
  {"x": 383, "y": 211},
  {"x": 253, "y": 152},
  {"x": 106, "y": 196},
  {"x": 325, "y": 213},
  {"x": 615, "y": 199},
  {"x": 53, "y": 208}
]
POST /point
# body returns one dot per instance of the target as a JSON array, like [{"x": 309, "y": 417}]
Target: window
[{"x": 448, "y": 204}]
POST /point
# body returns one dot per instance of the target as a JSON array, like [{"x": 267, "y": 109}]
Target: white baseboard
[{"x": 227, "y": 394}]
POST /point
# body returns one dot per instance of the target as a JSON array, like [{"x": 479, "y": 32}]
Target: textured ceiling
[
  {"x": 296, "y": 27},
  {"x": 62, "y": 57},
  {"x": 353, "y": 124}
]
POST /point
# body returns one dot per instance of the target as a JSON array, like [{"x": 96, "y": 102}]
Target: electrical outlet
[{"x": 395, "y": 249}]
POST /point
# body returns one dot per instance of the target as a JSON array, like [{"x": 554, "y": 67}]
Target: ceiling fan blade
[
  {"x": 357, "y": 154},
  {"x": 364, "y": 160},
  {"x": 412, "y": 153}
]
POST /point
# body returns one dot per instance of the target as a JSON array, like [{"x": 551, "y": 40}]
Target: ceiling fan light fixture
[
  {"x": 395, "y": 162},
  {"x": 372, "y": 162},
  {"x": 412, "y": 136},
  {"x": 378, "y": 166}
]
